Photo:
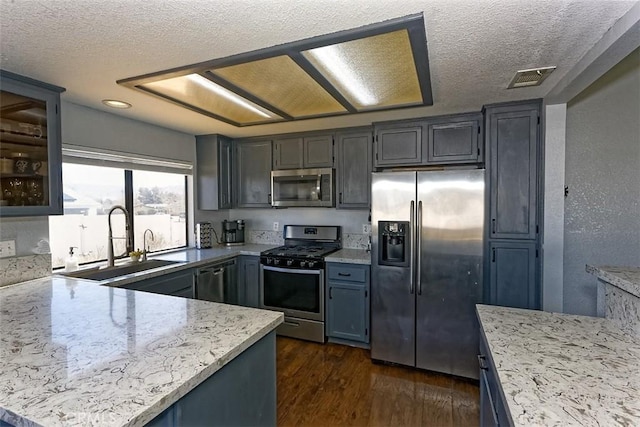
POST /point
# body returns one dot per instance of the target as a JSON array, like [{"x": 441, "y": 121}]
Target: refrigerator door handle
[
  {"x": 419, "y": 240},
  {"x": 412, "y": 243}
]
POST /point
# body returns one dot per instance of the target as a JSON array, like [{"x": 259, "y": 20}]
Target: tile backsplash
[{"x": 267, "y": 237}]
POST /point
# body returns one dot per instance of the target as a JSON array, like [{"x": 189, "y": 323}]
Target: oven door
[{"x": 297, "y": 293}]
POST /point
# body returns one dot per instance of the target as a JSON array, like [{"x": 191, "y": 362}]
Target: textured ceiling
[{"x": 475, "y": 46}]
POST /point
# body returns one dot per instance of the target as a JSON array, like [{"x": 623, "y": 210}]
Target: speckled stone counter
[
  {"x": 562, "y": 370},
  {"x": 619, "y": 295},
  {"x": 185, "y": 258},
  {"x": 76, "y": 353},
  {"x": 350, "y": 256}
]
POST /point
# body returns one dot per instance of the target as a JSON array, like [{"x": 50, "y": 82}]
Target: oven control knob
[
  {"x": 289, "y": 262},
  {"x": 276, "y": 262},
  {"x": 303, "y": 264},
  {"x": 311, "y": 264},
  {"x": 269, "y": 260}
]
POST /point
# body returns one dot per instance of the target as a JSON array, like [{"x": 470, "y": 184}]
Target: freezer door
[
  {"x": 392, "y": 288},
  {"x": 450, "y": 221}
]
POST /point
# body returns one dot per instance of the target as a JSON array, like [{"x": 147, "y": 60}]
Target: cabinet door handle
[
  {"x": 340, "y": 198},
  {"x": 344, "y": 274},
  {"x": 493, "y": 255},
  {"x": 482, "y": 361},
  {"x": 493, "y": 225},
  {"x": 330, "y": 293},
  {"x": 269, "y": 198}
]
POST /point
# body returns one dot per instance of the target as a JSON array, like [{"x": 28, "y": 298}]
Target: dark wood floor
[{"x": 335, "y": 385}]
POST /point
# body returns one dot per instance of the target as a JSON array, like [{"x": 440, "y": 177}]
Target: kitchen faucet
[
  {"x": 144, "y": 243},
  {"x": 127, "y": 226}
]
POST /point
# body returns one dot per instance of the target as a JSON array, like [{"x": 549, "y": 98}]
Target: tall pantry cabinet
[{"x": 513, "y": 160}]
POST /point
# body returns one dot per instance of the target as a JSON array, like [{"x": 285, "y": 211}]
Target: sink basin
[{"x": 105, "y": 273}]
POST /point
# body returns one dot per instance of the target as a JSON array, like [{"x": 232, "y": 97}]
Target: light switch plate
[
  {"x": 276, "y": 226},
  {"x": 7, "y": 248}
]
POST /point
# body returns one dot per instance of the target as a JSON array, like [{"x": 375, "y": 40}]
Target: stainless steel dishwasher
[{"x": 217, "y": 282}]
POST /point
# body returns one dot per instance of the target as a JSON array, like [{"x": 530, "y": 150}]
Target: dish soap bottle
[{"x": 71, "y": 263}]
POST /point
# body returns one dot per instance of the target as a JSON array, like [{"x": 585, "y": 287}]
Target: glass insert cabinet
[{"x": 30, "y": 147}]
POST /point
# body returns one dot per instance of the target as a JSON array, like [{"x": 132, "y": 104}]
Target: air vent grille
[{"x": 532, "y": 77}]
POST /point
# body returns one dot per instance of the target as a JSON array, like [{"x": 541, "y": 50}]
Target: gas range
[
  {"x": 301, "y": 257},
  {"x": 292, "y": 279},
  {"x": 305, "y": 247}
]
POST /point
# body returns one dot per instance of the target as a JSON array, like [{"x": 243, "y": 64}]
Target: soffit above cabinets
[{"x": 381, "y": 66}]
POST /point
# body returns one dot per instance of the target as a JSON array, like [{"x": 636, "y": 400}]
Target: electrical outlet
[
  {"x": 366, "y": 228},
  {"x": 7, "y": 248},
  {"x": 276, "y": 226}
]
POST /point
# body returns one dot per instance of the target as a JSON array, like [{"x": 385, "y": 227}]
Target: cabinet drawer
[{"x": 347, "y": 273}]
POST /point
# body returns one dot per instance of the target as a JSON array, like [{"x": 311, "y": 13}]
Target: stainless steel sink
[{"x": 105, "y": 273}]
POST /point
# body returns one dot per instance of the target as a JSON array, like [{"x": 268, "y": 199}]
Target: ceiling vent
[
  {"x": 381, "y": 66},
  {"x": 532, "y": 77}
]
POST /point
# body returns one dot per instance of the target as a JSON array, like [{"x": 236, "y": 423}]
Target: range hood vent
[{"x": 531, "y": 77}]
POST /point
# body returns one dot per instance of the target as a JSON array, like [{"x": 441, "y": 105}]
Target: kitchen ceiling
[{"x": 475, "y": 47}]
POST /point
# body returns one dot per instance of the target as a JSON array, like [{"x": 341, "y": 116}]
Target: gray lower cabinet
[
  {"x": 253, "y": 174},
  {"x": 214, "y": 160},
  {"x": 354, "y": 166},
  {"x": 512, "y": 164},
  {"x": 493, "y": 409},
  {"x": 313, "y": 151},
  {"x": 180, "y": 283},
  {"x": 249, "y": 281},
  {"x": 512, "y": 274},
  {"x": 347, "y": 312},
  {"x": 453, "y": 139},
  {"x": 241, "y": 393}
]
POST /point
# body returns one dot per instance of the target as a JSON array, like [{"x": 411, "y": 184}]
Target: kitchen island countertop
[
  {"x": 625, "y": 278},
  {"x": 76, "y": 353},
  {"x": 560, "y": 369}
]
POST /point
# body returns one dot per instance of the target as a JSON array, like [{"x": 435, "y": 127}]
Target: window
[{"x": 157, "y": 201}]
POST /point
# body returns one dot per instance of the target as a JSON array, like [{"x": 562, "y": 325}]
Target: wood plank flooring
[{"x": 336, "y": 385}]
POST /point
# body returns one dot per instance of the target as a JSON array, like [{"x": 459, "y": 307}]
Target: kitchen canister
[{"x": 22, "y": 163}]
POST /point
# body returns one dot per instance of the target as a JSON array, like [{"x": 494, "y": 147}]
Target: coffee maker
[{"x": 233, "y": 232}]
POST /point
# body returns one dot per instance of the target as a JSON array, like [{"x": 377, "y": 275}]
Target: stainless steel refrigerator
[{"x": 427, "y": 250}]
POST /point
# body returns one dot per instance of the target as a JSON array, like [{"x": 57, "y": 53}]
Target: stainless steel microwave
[{"x": 302, "y": 188}]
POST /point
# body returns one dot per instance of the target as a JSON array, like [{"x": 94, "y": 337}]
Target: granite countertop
[
  {"x": 560, "y": 369},
  {"x": 74, "y": 353},
  {"x": 625, "y": 278},
  {"x": 350, "y": 256},
  {"x": 183, "y": 258}
]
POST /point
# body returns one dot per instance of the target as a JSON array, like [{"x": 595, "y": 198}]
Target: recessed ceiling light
[{"x": 114, "y": 103}]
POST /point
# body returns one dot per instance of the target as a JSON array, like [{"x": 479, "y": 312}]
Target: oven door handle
[{"x": 291, "y": 270}]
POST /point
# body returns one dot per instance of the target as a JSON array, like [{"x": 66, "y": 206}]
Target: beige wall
[{"x": 602, "y": 211}]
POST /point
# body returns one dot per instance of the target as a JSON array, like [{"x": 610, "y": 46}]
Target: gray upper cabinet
[
  {"x": 399, "y": 144},
  {"x": 31, "y": 150},
  {"x": 253, "y": 174},
  {"x": 454, "y": 139},
  {"x": 513, "y": 143},
  {"x": 353, "y": 171},
  {"x": 318, "y": 151},
  {"x": 315, "y": 151},
  {"x": 287, "y": 153},
  {"x": 214, "y": 160},
  {"x": 513, "y": 275}
]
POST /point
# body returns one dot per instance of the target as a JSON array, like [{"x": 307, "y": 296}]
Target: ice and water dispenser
[{"x": 394, "y": 238}]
